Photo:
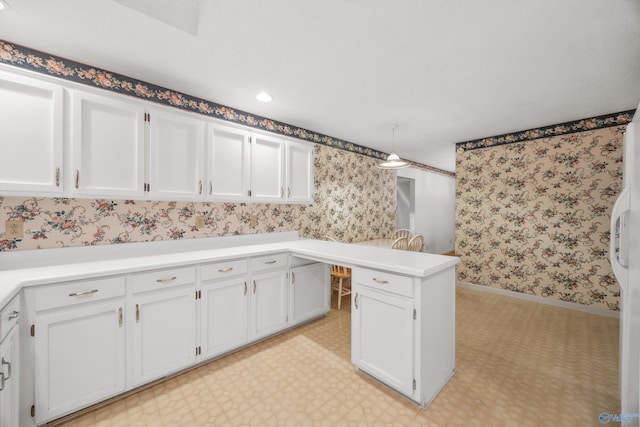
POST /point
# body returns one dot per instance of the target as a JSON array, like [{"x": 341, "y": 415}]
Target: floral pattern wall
[
  {"x": 353, "y": 201},
  {"x": 533, "y": 216}
]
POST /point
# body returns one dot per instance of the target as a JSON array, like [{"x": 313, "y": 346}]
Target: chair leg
[{"x": 340, "y": 294}]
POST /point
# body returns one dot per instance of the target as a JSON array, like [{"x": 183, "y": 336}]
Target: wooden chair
[
  {"x": 402, "y": 232},
  {"x": 400, "y": 243},
  {"x": 416, "y": 243},
  {"x": 342, "y": 275}
]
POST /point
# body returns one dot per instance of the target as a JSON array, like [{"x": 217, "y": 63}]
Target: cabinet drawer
[
  {"x": 161, "y": 279},
  {"x": 223, "y": 269},
  {"x": 268, "y": 262},
  {"x": 9, "y": 316},
  {"x": 78, "y": 292},
  {"x": 387, "y": 282}
]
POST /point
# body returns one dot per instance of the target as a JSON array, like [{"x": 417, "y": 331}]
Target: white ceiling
[{"x": 444, "y": 71}]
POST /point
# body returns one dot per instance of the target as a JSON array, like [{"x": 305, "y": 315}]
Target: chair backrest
[
  {"x": 339, "y": 270},
  {"x": 400, "y": 243},
  {"x": 416, "y": 243},
  {"x": 402, "y": 232}
]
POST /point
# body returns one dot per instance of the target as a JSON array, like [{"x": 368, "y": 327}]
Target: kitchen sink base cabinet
[{"x": 403, "y": 330}]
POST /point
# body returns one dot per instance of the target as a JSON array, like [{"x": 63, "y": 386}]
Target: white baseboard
[{"x": 548, "y": 301}]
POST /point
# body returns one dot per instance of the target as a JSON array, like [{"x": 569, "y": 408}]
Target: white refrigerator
[{"x": 625, "y": 260}]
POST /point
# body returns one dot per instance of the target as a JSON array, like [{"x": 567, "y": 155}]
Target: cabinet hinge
[
  {"x": 33, "y": 410},
  {"x": 198, "y": 351},
  {"x": 198, "y": 294},
  {"x": 415, "y": 315},
  {"x": 414, "y": 384},
  {"x": 33, "y": 330},
  {"x": 249, "y": 193},
  {"x": 147, "y": 117}
]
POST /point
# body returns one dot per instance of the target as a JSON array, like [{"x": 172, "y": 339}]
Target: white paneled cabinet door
[
  {"x": 228, "y": 163},
  {"x": 382, "y": 337},
  {"x": 108, "y": 147},
  {"x": 176, "y": 155},
  {"x": 268, "y": 303},
  {"x": 9, "y": 380},
  {"x": 224, "y": 316},
  {"x": 267, "y": 171},
  {"x": 80, "y": 358},
  {"x": 163, "y": 333},
  {"x": 31, "y": 122},
  {"x": 299, "y": 165},
  {"x": 310, "y": 292}
]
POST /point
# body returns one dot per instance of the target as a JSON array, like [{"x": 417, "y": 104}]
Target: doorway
[{"x": 406, "y": 203}]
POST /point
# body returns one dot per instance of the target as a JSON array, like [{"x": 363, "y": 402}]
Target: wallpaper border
[
  {"x": 44, "y": 63},
  {"x": 593, "y": 123}
]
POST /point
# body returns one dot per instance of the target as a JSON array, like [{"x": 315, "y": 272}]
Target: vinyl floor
[{"x": 518, "y": 363}]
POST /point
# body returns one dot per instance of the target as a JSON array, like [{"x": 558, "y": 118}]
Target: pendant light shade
[{"x": 393, "y": 160}]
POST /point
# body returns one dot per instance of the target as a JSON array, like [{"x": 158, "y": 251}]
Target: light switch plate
[
  {"x": 14, "y": 229},
  {"x": 199, "y": 222}
]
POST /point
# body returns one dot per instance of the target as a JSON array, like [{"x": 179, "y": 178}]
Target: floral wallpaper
[
  {"x": 533, "y": 216},
  {"x": 353, "y": 201},
  {"x": 44, "y": 63}
]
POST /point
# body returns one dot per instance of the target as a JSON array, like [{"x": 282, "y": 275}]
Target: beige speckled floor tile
[{"x": 518, "y": 363}]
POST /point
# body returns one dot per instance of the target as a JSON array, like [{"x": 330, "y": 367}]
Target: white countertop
[{"x": 55, "y": 265}]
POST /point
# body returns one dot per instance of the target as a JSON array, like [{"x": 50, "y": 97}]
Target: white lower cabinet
[
  {"x": 10, "y": 365},
  {"x": 310, "y": 292},
  {"x": 382, "y": 337},
  {"x": 268, "y": 305},
  {"x": 223, "y": 316},
  {"x": 79, "y": 357},
  {"x": 164, "y": 324}
]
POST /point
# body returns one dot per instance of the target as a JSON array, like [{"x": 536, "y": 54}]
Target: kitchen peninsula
[{"x": 98, "y": 321}]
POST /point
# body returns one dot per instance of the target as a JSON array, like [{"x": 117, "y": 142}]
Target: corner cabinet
[
  {"x": 10, "y": 364},
  {"x": 403, "y": 330},
  {"x": 107, "y": 146},
  {"x": 31, "y": 119}
]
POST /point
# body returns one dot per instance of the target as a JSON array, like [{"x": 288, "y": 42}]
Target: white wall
[{"x": 435, "y": 208}]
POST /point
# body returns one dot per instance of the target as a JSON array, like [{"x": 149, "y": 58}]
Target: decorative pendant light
[{"x": 393, "y": 160}]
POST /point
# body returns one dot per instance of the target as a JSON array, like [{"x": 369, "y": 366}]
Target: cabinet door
[
  {"x": 224, "y": 316},
  {"x": 267, "y": 183},
  {"x": 268, "y": 303},
  {"x": 299, "y": 165},
  {"x": 80, "y": 357},
  {"x": 9, "y": 379},
  {"x": 163, "y": 333},
  {"x": 228, "y": 163},
  {"x": 310, "y": 292},
  {"x": 382, "y": 337},
  {"x": 176, "y": 155},
  {"x": 108, "y": 146},
  {"x": 31, "y": 120}
]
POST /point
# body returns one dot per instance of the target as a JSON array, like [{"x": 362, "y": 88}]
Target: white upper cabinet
[
  {"x": 299, "y": 165},
  {"x": 176, "y": 143},
  {"x": 31, "y": 122},
  {"x": 228, "y": 163},
  {"x": 107, "y": 146},
  {"x": 267, "y": 171}
]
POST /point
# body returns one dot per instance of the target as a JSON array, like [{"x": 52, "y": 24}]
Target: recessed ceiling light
[{"x": 264, "y": 97}]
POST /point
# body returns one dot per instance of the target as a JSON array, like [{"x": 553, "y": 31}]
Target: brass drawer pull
[
  {"x": 120, "y": 316},
  {"x": 380, "y": 281},
  {"x": 225, "y": 270},
  {"x": 245, "y": 288},
  {"x": 77, "y": 178},
  {"x": 200, "y": 187},
  {"x": 293, "y": 278},
  {"x": 355, "y": 300},
  {"x": 4, "y": 362},
  {"x": 210, "y": 187},
  {"x": 80, "y": 294},
  {"x": 168, "y": 279},
  {"x": 137, "y": 313},
  {"x": 14, "y": 315},
  {"x": 288, "y": 191},
  {"x": 254, "y": 286},
  {"x": 273, "y": 261},
  {"x": 58, "y": 177}
]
